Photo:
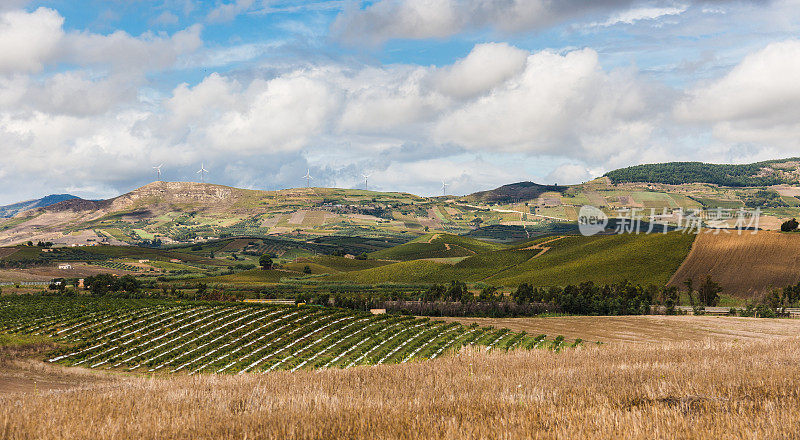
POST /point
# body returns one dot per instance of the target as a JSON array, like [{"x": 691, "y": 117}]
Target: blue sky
[{"x": 477, "y": 93}]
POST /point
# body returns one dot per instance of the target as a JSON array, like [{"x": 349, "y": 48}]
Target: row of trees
[{"x": 456, "y": 299}]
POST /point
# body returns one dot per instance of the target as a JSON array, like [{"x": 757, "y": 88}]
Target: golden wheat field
[
  {"x": 745, "y": 265},
  {"x": 705, "y": 390},
  {"x": 646, "y": 328}
]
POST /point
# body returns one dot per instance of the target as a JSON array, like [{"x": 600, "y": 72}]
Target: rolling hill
[
  {"x": 641, "y": 259},
  {"x": 514, "y": 192}
]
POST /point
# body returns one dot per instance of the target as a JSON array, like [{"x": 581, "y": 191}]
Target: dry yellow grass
[
  {"x": 706, "y": 390},
  {"x": 646, "y": 328}
]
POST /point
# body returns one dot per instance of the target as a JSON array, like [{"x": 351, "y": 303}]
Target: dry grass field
[
  {"x": 745, "y": 265},
  {"x": 647, "y": 328},
  {"x": 703, "y": 390}
]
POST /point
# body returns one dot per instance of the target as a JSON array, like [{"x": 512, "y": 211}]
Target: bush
[{"x": 790, "y": 225}]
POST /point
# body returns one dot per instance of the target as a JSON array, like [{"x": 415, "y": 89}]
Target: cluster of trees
[
  {"x": 764, "y": 198},
  {"x": 676, "y": 173},
  {"x": 707, "y": 294},
  {"x": 774, "y": 303},
  {"x": 104, "y": 284},
  {"x": 590, "y": 299}
]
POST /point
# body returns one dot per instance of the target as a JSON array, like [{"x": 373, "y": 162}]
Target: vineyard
[
  {"x": 194, "y": 337},
  {"x": 117, "y": 265}
]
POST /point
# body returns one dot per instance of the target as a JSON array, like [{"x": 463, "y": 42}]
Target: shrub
[{"x": 790, "y": 225}]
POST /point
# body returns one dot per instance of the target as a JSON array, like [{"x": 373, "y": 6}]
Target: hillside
[
  {"x": 183, "y": 212},
  {"x": 745, "y": 265},
  {"x": 15, "y": 208},
  {"x": 767, "y": 173},
  {"x": 641, "y": 259},
  {"x": 436, "y": 246}
]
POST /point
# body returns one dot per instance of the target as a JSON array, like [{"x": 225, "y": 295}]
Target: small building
[
  {"x": 350, "y": 257},
  {"x": 144, "y": 261},
  {"x": 175, "y": 260},
  {"x": 47, "y": 250},
  {"x": 378, "y": 311},
  {"x": 65, "y": 266},
  {"x": 80, "y": 284}
]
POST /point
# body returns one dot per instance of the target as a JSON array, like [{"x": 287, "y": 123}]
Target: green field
[
  {"x": 436, "y": 246},
  {"x": 253, "y": 276},
  {"x": 342, "y": 264},
  {"x": 641, "y": 259}
]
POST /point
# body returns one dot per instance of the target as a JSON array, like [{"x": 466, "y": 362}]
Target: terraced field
[{"x": 172, "y": 337}]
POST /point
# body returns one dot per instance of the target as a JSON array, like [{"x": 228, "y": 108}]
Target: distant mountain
[
  {"x": 767, "y": 173},
  {"x": 180, "y": 212},
  {"x": 12, "y": 210},
  {"x": 514, "y": 192}
]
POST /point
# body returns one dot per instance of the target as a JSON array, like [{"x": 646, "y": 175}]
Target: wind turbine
[
  {"x": 444, "y": 188},
  {"x": 202, "y": 172},
  {"x": 366, "y": 177},
  {"x": 158, "y": 171},
  {"x": 308, "y": 178}
]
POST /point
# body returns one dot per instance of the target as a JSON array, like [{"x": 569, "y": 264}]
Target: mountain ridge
[
  {"x": 181, "y": 212},
  {"x": 13, "y": 209}
]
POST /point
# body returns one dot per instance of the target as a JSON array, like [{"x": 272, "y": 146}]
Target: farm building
[{"x": 65, "y": 266}]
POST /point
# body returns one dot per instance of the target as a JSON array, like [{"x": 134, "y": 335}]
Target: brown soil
[
  {"x": 22, "y": 371},
  {"x": 745, "y": 265}
]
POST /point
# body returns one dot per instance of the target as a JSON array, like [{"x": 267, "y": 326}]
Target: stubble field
[
  {"x": 648, "y": 328},
  {"x": 706, "y": 390}
]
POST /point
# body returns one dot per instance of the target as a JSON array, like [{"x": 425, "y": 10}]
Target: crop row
[{"x": 197, "y": 337}]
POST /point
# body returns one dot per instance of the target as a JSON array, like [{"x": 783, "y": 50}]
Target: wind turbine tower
[
  {"x": 366, "y": 178},
  {"x": 202, "y": 172},
  {"x": 444, "y": 188},
  {"x": 158, "y": 171},
  {"x": 308, "y": 178}
]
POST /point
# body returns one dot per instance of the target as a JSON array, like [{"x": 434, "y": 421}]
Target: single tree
[
  {"x": 709, "y": 292},
  {"x": 265, "y": 262},
  {"x": 689, "y": 283}
]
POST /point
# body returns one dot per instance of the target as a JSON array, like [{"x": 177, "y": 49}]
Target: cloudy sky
[{"x": 475, "y": 92}]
